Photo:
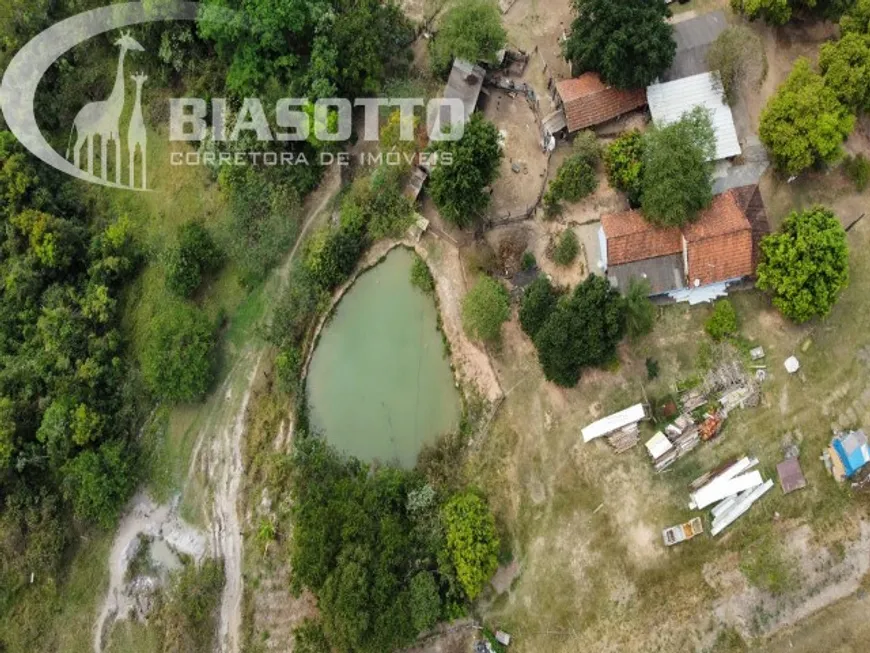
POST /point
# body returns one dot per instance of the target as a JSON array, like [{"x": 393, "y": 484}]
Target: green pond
[{"x": 380, "y": 385}]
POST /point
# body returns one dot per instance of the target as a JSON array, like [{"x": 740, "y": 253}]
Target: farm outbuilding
[
  {"x": 587, "y": 101},
  {"x": 669, "y": 101}
]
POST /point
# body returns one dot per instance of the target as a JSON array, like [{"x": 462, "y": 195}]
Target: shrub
[
  {"x": 858, "y": 170},
  {"x": 421, "y": 276},
  {"x": 575, "y": 180},
  {"x": 722, "y": 323},
  {"x": 178, "y": 358},
  {"x": 528, "y": 262},
  {"x": 470, "y": 30},
  {"x": 539, "y": 301},
  {"x": 737, "y": 55},
  {"x": 652, "y": 369},
  {"x": 195, "y": 254},
  {"x": 639, "y": 310},
  {"x": 586, "y": 147},
  {"x": 566, "y": 249},
  {"x": 471, "y": 540},
  {"x": 623, "y": 161},
  {"x": 484, "y": 309}
]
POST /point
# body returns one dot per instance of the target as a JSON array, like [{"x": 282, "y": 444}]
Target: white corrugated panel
[
  {"x": 721, "y": 489},
  {"x": 669, "y": 101},
  {"x": 614, "y": 422},
  {"x": 746, "y": 500}
]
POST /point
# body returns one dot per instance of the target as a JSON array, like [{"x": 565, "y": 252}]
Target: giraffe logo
[
  {"x": 99, "y": 120},
  {"x": 103, "y": 119}
]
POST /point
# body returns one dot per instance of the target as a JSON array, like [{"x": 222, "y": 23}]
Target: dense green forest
[{"x": 108, "y": 308}]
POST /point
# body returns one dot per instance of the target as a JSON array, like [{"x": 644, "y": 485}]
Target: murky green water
[{"x": 379, "y": 385}]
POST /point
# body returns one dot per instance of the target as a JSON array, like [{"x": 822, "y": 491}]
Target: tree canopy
[
  {"x": 805, "y": 265},
  {"x": 779, "y": 12},
  {"x": 472, "y": 541},
  {"x": 178, "y": 360},
  {"x": 845, "y": 66},
  {"x": 582, "y": 331},
  {"x": 470, "y": 30},
  {"x": 314, "y": 46},
  {"x": 640, "y": 313},
  {"x": 857, "y": 19},
  {"x": 457, "y": 188},
  {"x": 484, "y": 309},
  {"x": 804, "y": 123},
  {"x": 629, "y": 43},
  {"x": 677, "y": 173},
  {"x": 539, "y": 300}
]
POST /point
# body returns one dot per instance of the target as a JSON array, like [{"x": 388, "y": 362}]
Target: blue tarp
[{"x": 853, "y": 451}]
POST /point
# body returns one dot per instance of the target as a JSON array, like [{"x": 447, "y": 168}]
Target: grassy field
[{"x": 586, "y": 523}]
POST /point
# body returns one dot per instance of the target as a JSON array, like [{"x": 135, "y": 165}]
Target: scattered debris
[
  {"x": 678, "y": 439},
  {"x": 502, "y": 638},
  {"x": 416, "y": 230},
  {"x": 757, "y": 353},
  {"x": 733, "y": 488},
  {"x": 792, "y": 364},
  {"x": 791, "y": 477},
  {"x": 847, "y": 454},
  {"x": 682, "y": 532}
]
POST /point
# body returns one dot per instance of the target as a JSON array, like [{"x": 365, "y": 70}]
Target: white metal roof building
[{"x": 670, "y": 100}]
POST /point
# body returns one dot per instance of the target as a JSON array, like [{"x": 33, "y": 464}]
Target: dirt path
[{"x": 217, "y": 455}]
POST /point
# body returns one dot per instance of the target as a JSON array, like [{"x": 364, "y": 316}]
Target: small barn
[
  {"x": 669, "y": 101},
  {"x": 587, "y": 101}
]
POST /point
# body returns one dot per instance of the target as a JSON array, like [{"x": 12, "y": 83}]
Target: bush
[
  {"x": 639, "y": 310},
  {"x": 586, "y": 147},
  {"x": 188, "y": 616},
  {"x": 539, "y": 301},
  {"x": 484, "y": 309},
  {"x": 528, "y": 262},
  {"x": 575, "y": 180},
  {"x": 421, "y": 276},
  {"x": 195, "y": 254},
  {"x": 178, "y": 358},
  {"x": 652, "y": 369},
  {"x": 470, "y": 30},
  {"x": 472, "y": 541},
  {"x": 858, "y": 170},
  {"x": 566, "y": 249},
  {"x": 722, "y": 323},
  {"x": 623, "y": 161},
  {"x": 737, "y": 55}
]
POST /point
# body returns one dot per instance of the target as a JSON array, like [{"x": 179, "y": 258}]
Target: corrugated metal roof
[
  {"x": 614, "y": 422},
  {"x": 669, "y": 101}
]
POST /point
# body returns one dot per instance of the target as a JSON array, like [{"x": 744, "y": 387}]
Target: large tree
[
  {"x": 804, "y": 123},
  {"x": 677, "y": 181},
  {"x": 582, "y": 331},
  {"x": 806, "y": 265},
  {"x": 845, "y": 65},
  {"x": 857, "y": 19},
  {"x": 484, "y": 309},
  {"x": 470, "y": 30},
  {"x": 463, "y": 170},
  {"x": 629, "y": 43}
]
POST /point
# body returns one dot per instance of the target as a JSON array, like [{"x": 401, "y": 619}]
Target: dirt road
[{"x": 217, "y": 456}]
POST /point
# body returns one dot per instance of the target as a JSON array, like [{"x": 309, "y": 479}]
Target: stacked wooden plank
[
  {"x": 625, "y": 438},
  {"x": 678, "y": 439}
]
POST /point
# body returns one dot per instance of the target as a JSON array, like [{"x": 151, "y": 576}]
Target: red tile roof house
[
  {"x": 695, "y": 263},
  {"x": 587, "y": 101}
]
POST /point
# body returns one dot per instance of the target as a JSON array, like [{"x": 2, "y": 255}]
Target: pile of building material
[
  {"x": 621, "y": 429},
  {"x": 848, "y": 452},
  {"x": 678, "y": 439},
  {"x": 731, "y": 490},
  {"x": 682, "y": 532}
]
